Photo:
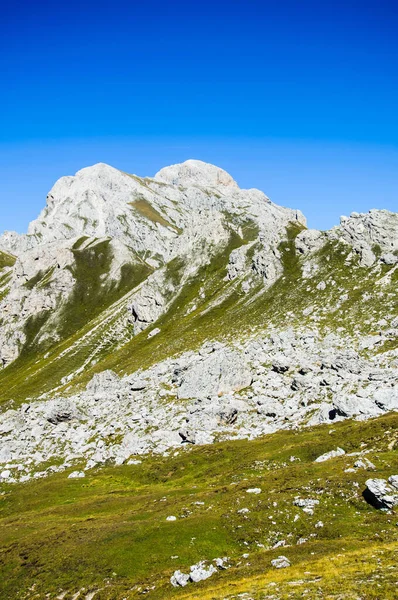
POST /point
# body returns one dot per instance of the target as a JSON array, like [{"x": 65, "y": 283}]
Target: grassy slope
[
  {"x": 38, "y": 368},
  {"x": 227, "y": 312},
  {"x": 146, "y": 210},
  {"x": 6, "y": 260},
  {"x": 109, "y": 530}
]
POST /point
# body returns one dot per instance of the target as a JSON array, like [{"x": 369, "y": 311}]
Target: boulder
[
  {"x": 329, "y": 455},
  {"x": 281, "y": 562},
  {"x": 76, "y": 475},
  {"x": 382, "y": 494},
  {"x": 220, "y": 373},
  {"x": 179, "y": 579},
  {"x": 200, "y": 572}
]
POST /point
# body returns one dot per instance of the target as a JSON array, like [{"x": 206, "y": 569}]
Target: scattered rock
[
  {"x": 77, "y": 475},
  {"x": 281, "y": 562},
  {"x": 198, "y": 572},
  {"x": 329, "y": 455},
  {"x": 153, "y": 332},
  {"x": 364, "y": 463},
  {"x": 307, "y": 505}
]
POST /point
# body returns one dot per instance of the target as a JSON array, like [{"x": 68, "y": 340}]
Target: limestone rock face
[
  {"x": 188, "y": 212},
  {"x": 370, "y": 234}
]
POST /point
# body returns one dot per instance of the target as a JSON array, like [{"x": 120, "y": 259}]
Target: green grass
[
  {"x": 6, "y": 260},
  {"x": 41, "y": 279},
  {"x": 146, "y": 210},
  {"x": 109, "y": 530},
  {"x": 91, "y": 295}
]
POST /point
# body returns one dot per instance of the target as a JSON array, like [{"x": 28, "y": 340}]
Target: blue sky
[{"x": 298, "y": 98}]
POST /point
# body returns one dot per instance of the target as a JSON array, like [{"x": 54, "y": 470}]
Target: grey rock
[
  {"x": 179, "y": 579},
  {"x": 200, "y": 572},
  {"x": 382, "y": 494},
  {"x": 77, "y": 475},
  {"x": 281, "y": 562},
  {"x": 364, "y": 463},
  {"x": 222, "y": 372},
  {"x": 329, "y": 455},
  {"x": 386, "y": 398}
]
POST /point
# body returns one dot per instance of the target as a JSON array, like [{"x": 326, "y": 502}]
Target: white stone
[
  {"x": 281, "y": 562},
  {"x": 329, "y": 455},
  {"x": 76, "y": 475}
]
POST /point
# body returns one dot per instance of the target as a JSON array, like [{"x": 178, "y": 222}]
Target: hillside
[
  {"x": 107, "y": 536},
  {"x": 180, "y": 337}
]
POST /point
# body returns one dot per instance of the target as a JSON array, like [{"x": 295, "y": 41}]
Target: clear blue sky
[{"x": 298, "y": 98}]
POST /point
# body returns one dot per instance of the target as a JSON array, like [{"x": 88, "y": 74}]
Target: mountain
[{"x": 141, "y": 318}]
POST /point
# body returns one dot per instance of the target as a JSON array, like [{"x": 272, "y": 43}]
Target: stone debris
[
  {"x": 118, "y": 419},
  {"x": 198, "y": 572},
  {"x": 307, "y": 504},
  {"x": 281, "y": 562}
]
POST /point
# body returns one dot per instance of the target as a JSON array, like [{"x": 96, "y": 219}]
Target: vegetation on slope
[
  {"x": 210, "y": 307},
  {"x": 226, "y": 311},
  {"x": 90, "y": 296},
  {"x": 146, "y": 210},
  {"x": 108, "y": 531},
  {"x": 6, "y": 260},
  {"x": 93, "y": 293}
]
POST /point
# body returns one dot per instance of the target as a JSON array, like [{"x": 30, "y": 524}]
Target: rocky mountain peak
[{"x": 196, "y": 172}]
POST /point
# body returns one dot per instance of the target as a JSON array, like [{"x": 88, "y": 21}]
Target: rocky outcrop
[
  {"x": 373, "y": 235},
  {"x": 196, "y": 173},
  {"x": 382, "y": 494},
  {"x": 281, "y": 562},
  {"x": 329, "y": 455},
  {"x": 198, "y": 572}
]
